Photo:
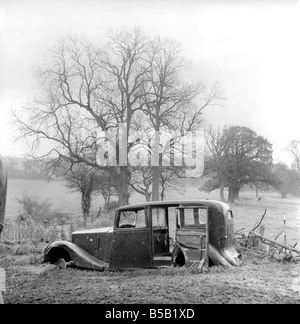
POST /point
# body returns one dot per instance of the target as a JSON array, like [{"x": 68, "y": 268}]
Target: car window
[
  {"x": 193, "y": 216},
  {"x": 132, "y": 218},
  {"x": 159, "y": 217}
]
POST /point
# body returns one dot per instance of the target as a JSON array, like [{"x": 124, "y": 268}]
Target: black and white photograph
[{"x": 149, "y": 154}]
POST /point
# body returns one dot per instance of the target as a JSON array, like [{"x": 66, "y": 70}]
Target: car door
[
  {"x": 161, "y": 255},
  {"x": 131, "y": 240}
]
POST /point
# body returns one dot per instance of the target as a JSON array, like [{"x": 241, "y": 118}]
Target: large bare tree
[
  {"x": 215, "y": 165},
  {"x": 92, "y": 91},
  {"x": 87, "y": 89},
  {"x": 169, "y": 101}
]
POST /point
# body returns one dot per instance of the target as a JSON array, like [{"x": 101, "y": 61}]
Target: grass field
[
  {"x": 247, "y": 211},
  {"x": 55, "y": 192}
]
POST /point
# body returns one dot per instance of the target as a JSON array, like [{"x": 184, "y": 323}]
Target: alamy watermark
[{"x": 162, "y": 148}]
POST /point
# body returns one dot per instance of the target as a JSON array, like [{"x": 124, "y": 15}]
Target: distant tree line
[
  {"x": 25, "y": 169},
  {"x": 237, "y": 157},
  {"x": 287, "y": 179}
]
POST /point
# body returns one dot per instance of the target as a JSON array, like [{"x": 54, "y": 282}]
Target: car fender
[{"x": 73, "y": 254}]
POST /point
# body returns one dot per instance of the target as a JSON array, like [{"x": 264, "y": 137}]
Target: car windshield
[{"x": 132, "y": 218}]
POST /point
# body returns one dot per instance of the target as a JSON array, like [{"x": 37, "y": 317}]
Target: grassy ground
[
  {"x": 54, "y": 191},
  {"x": 257, "y": 281}
]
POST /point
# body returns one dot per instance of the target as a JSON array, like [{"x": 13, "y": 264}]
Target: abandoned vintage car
[{"x": 154, "y": 234}]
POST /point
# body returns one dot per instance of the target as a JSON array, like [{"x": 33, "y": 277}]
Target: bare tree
[
  {"x": 83, "y": 179},
  {"x": 90, "y": 88},
  {"x": 216, "y": 161},
  {"x": 141, "y": 181},
  {"x": 105, "y": 185},
  {"x": 167, "y": 96},
  {"x": 168, "y": 177},
  {"x": 86, "y": 89},
  {"x": 126, "y": 67}
]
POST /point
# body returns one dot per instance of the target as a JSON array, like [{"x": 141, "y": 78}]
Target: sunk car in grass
[{"x": 154, "y": 234}]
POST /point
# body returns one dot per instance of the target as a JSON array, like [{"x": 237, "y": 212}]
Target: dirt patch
[{"x": 257, "y": 281}]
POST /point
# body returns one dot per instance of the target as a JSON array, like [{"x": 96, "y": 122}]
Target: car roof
[{"x": 173, "y": 203}]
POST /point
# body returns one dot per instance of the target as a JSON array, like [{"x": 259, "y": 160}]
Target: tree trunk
[
  {"x": 221, "y": 189},
  {"x": 147, "y": 196},
  {"x": 256, "y": 192},
  {"x": 85, "y": 205},
  {"x": 85, "y": 217},
  {"x": 155, "y": 183},
  {"x": 156, "y": 162},
  {"x": 232, "y": 194},
  {"x": 162, "y": 194},
  {"x": 123, "y": 186}
]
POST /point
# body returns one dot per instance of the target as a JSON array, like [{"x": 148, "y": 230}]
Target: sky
[{"x": 252, "y": 48}]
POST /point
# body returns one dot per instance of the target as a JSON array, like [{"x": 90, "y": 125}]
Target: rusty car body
[{"x": 154, "y": 234}]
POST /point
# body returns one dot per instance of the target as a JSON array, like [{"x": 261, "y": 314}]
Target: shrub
[
  {"x": 38, "y": 222},
  {"x": 33, "y": 233},
  {"x": 40, "y": 212}
]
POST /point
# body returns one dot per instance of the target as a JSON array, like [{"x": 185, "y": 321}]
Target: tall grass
[{"x": 38, "y": 221}]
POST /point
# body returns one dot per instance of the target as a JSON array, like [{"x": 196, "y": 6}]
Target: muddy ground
[{"x": 256, "y": 281}]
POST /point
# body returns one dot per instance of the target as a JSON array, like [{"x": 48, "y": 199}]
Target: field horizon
[{"x": 247, "y": 210}]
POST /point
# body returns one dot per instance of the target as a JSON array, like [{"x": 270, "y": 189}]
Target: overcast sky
[{"x": 250, "y": 47}]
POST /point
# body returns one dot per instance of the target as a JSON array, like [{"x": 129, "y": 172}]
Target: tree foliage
[
  {"x": 286, "y": 180},
  {"x": 236, "y": 156}
]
